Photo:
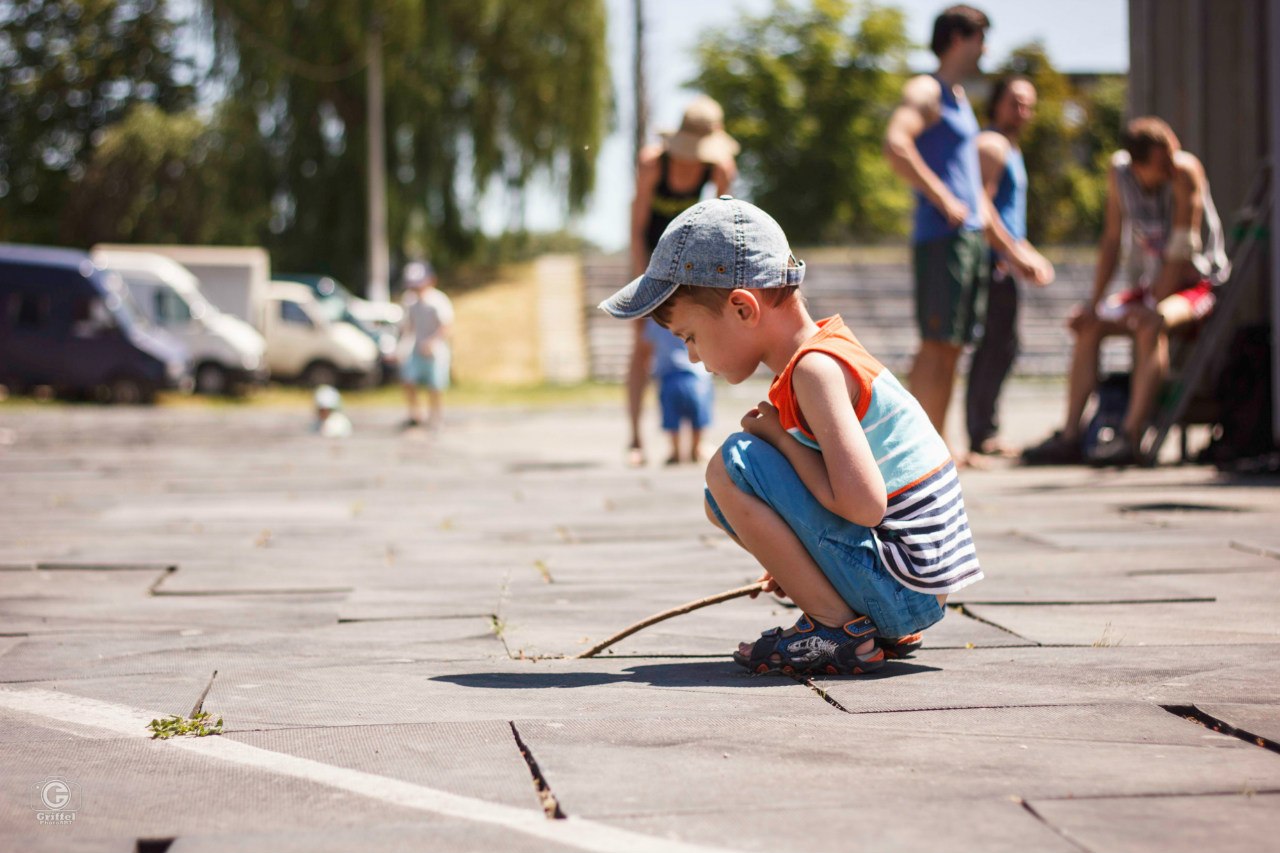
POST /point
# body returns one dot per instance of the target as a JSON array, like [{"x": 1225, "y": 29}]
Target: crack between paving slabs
[
  {"x": 550, "y": 805},
  {"x": 1061, "y": 833},
  {"x": 964, "y": 611},
  {"x": 1193, "y": 714},
  {"x": 1158, "y": 795},
  {"x": 104, "y": 567},
  {"x": 1188, "y": 600},
  {"x": 155, "y": 584},
  {"x": 155, "y": 590},
  {"x": 497, "y": 623}
]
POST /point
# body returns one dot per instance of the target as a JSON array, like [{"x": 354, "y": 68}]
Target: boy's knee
[
  {"x": 717, "y": 474},
  {"x": 718, "y": 477}
]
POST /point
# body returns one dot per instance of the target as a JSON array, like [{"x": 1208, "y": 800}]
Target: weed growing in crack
[
  {"x": 175, "y": 726},
  {"x": 1107, "y": 639},
  {"x": 497, "y": 626}
]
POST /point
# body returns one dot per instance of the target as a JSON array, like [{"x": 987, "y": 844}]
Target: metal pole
[
  {"x": 642, "y": 104},
  {"x": 1273, "y": 99},
  {"x": 379, "y": 289}
]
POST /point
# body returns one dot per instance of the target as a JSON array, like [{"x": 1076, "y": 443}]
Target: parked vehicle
[
  {"x": 233, "y": 278},
  {"x": 66, "y": 324},
  {"x": 379, "y": 320},
  {"x": 384, "y": 316},
  {"x": 228, "y": 354},
  {"x": 304, "y": 344}
]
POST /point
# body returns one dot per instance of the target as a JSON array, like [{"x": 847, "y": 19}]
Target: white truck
[
  {"x": 304, "y": 344},
  {"x": 237, "y": 280},
  {"x": 228, "y": 355}
]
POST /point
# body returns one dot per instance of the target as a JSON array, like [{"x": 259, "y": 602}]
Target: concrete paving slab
[
  {"x": 474, "y": 759},
  {"x": 1177, "y": 623},
  {"x": 142, "y": 789},
  {"x": 390, "y": 693},
  {"x": 1061, "y": 676},
  {"x": 976, "y": 825},
  {"x": 1025, "y": 752},
  {"x": 1240, "y": 822},
  {"x": 383, "y": 836},
  {"x": 95, "y": 655}
]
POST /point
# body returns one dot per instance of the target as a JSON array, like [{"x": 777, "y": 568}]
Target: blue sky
[{"x": 1080, "y": 35}]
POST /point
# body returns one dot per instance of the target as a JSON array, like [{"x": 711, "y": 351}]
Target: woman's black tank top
[{"x": 667, "y": 204}]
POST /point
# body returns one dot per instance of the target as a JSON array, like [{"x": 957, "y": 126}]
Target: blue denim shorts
[
  {"x": 846, "y": 552},
  {"x": 685, "y": 398},
  {"x": 430, "y": 372}
]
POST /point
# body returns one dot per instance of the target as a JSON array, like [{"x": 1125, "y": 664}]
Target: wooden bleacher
[{"x": 874, "y": 295}]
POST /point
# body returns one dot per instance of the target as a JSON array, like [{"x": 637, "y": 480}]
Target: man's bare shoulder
[
  {"x": 923, "y": 92},
  {"x": 649, "y": 155},
  {"x": 1188, "y": 169},
  {"x": 994, "y": 144}
]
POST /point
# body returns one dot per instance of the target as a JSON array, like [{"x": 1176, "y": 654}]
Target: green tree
[
  {"x": 477, "y": 92},
  {"x": 68, "y": 70},
  {"x": 807, "y": 91},
  {"x": 159, "y": 177},
  {"x": 1067, "y": 147}
]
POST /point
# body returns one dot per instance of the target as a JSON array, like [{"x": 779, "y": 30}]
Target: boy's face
[{"x": 721, "y": 342}]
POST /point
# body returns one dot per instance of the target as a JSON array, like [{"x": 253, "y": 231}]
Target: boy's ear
[{"x": 744, "y": 305}]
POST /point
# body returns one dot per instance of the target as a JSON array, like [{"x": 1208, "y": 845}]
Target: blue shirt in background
[
  {"x": 1011, "y": 196},
  {"x": 950, "y": 148},
  {"x": 669, "y": 353}
]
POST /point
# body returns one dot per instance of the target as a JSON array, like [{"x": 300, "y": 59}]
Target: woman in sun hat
[{"x": 670, "y": 177}]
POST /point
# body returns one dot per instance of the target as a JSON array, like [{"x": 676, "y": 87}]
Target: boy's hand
[
  {"x": 770, "y": 585},
  {"x": 763, "y": 422}
]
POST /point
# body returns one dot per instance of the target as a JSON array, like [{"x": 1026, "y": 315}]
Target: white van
[
  {"x": 227, "y": 353},
  {"x": 303, "y": 344}
]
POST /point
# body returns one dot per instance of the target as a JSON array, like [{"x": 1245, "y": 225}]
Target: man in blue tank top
[
  {"x": 1004, "y": 179},
  {"x": 931, "y": 141}
]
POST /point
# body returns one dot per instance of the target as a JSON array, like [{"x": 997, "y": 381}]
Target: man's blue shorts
[
  {"x": 846, "y": 552},
  {"x": 685, "y": 397},
  {"x": 430, "y": 372}
]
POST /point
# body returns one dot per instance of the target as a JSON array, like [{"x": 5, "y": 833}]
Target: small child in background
[
  {"x": 330, "y": 422},
  {"x": 424, "y": 334},
  {"x": 684, "y": 391}
]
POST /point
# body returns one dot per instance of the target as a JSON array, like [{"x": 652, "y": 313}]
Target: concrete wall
[
  {"x": 523, "y": 326},
  {"x": 1201, "y": 65}
]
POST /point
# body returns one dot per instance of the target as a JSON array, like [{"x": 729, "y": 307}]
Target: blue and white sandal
[{"x": 809, "y": 647}]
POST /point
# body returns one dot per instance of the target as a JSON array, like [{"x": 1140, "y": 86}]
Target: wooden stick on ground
[{"x": 667, "y": 614}]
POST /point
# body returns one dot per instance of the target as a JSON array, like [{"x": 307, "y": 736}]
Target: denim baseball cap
[{"x": 723, "y": 242}]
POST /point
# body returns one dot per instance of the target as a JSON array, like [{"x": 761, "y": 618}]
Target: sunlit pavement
[{"x": 392, "y": 618}]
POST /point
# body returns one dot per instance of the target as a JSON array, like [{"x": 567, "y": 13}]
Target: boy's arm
[{"x": 844, "y": 477}]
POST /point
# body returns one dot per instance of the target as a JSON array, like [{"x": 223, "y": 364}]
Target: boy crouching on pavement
[{"x": 839, "y": 485}]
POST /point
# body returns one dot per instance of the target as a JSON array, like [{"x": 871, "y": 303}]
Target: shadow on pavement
[{"x": 683, "y": 674}]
